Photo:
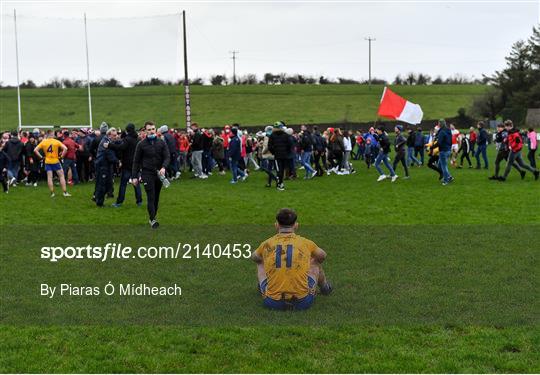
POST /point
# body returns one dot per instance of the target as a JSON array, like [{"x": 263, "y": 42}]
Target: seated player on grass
[{"x": 289, "y": 267}]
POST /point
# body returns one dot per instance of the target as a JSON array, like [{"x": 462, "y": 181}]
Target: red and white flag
[{"x": 395, "y": 107}]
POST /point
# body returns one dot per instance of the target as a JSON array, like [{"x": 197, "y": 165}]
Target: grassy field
[
  {"x": 216, "y": 106},
  {"x": 427, "y": 279}
]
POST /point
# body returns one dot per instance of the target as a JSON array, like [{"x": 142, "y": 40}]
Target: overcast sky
[{"x": 139, "y": 40}]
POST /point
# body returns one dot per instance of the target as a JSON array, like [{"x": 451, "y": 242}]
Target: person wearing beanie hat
[
  {"x": 103, "y": 127},
  {"x": 130, "y": 128},
  {"x": 105, "y": 161},
  {"x": 400, "y": 146},
  {"x": 163, "y": 129},
  {"x": 94, "y": 145},
  {"x": 126, "y": 148}
]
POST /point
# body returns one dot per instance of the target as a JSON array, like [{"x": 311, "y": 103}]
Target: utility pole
[
  {"x": 88, "y": 75},
  {"x": 234, "y": 65},
  {"x": 17, "y": 61},
  {"x": 187, "y": 97},
  {"x": 370, "y": 39}
]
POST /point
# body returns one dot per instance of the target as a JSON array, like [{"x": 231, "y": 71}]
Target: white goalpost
[{"x": 51, "y": 126}]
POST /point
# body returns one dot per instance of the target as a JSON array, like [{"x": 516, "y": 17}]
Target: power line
[{"x": 234, "y": 64}]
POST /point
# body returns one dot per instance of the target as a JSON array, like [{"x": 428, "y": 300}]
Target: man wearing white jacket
[{"x": 346, "y": 165}]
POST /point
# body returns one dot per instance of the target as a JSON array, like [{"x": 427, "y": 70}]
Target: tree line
[
  {"x": 252, "y": 79},
  {"x": 515, "y": 88}
]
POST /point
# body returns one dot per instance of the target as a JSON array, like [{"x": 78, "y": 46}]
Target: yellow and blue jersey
[
  {"x": 51, "y": 148},
  {"x": 287, "y": 259}
]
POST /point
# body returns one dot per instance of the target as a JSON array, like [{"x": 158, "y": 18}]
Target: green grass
[
  {"x": 353, "y": 349},
  {"x": 427, "y": 279},
  {"x": 216, "y": 106}
]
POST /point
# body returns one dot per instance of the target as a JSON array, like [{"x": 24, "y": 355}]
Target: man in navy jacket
[
  {"x": 235, "y": 154},
  {"x": 444, "y": 138}
]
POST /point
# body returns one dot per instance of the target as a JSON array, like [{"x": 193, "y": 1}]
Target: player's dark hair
[
  {"x": 149, "y": 123},
  {"x": 286, "y": 217}
]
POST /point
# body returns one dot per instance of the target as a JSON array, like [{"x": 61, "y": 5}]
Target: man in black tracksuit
[
  {"x": 280, "y": 144},
  {"x": 126, "y": 149},
  {"x": 400, "y": 143},
  {"x": 105, "y": 160},
  {"x": 151, "y": 158},
  {"x": 94, "y": 145},
  {"x": 319, "y": 149},
  {"x": 465, "y": 149}
]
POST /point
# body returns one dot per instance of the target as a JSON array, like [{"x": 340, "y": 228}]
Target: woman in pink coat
[{"x": 533, "y": 146}]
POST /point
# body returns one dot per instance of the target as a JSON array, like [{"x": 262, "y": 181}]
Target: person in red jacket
[
  {"x": 472, "y": 139},
  {"x": 70, "y": 159},
  {"x": 183, "y": 148},
  {"x": 515, "y": 144},
  {"x": 226, "y": 135}
]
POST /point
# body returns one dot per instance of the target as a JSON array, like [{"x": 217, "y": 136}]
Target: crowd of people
[{"x": 100, "y": 155}]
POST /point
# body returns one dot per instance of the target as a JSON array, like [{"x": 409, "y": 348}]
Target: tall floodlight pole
[
  {"x": 186, "y": 79},
  {"x": 88, "y": 74},
  {"x": 234, "y": 65},
  {"x": 17, "y": 63},
  {"x": 369, "y": 39}
]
